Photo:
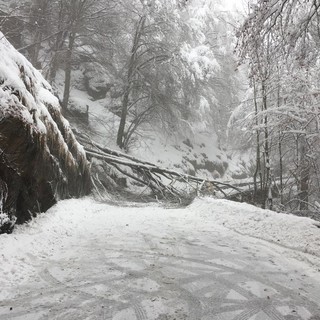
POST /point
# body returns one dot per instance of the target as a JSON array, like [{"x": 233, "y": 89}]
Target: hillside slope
[{"x": 189, "y": 149}]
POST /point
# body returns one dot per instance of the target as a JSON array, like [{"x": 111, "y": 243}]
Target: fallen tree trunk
[{"x": 162, "y": 182}]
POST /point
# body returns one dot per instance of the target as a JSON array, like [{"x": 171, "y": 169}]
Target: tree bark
[
  {"x": 130, "y": 75},
  {"x": 304, "y": 177},
  {"x": 68, "y": 68},
  {"x": 258, "y": 155},
  {"x": 267, "y": 176}
]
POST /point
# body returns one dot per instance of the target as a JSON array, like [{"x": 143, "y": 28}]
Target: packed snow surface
[{"x": 212, "y": 260}]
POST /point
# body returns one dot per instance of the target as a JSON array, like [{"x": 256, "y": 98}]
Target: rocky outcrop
[
  {"x": 40, "y": 159},
  {"x": 97, "y": 82}
]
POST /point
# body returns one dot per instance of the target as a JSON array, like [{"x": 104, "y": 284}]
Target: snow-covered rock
[{"x": 40, "y": 159}]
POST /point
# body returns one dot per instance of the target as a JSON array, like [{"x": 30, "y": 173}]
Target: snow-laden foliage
[
  {"x": 201, "y": 61},
  {"x": 40, "y": 159},
  {"x": 161, "y": 58},
  {"x": 279, "y": 41}
]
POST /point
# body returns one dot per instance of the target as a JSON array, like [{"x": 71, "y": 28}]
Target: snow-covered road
[{"x": 85, "y": 260}]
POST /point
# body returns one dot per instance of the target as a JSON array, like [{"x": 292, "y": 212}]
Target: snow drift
[{"x": 40, "y": 159}]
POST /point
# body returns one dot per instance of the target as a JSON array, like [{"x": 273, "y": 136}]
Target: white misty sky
[{"x": 234, "y": 4}]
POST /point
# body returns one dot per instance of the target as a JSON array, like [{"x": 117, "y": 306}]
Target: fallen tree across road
[{"x": 163, "y": 183}]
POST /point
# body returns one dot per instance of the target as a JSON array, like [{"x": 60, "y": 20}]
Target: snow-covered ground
[{"x": 212, "y": 260}]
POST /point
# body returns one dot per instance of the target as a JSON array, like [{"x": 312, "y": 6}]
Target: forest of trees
[
  {"x": 279, "y": 42},
  {"x": 170, "y": 61},
  {"x": 181, "y": 64}
]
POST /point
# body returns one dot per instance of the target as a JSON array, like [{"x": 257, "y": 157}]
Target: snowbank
[{"x": 302, "y": 234}]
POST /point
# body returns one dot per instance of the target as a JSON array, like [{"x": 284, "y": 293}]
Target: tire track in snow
[{"x": 184, "y": 273}]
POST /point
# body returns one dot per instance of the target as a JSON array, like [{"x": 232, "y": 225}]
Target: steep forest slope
[
  {"x": 188, "y": 149},
  {"x": 158, "y": 76},
  {"x": 154, "y": 81}
]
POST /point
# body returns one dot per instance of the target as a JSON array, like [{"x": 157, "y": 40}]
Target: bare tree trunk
[
  {"x": 267, "y": 177},
  {"x": 304, "y": 178},
  {"x": 68, "y": 67},
  {"x": 54, "y": 64},
  {"x": 39, "y": 13},
  {"x": 124, "y": 113},
  {"x": 58, "y": 44},
  {"x": 34, "y": 54},
  {"x": 280, "y": 137},
  {"x": 125, "y": 100},
  {"x": 280, "y": 168},
  {"x": 258, "y": 155},
  {"x": 54, "y": 60}
]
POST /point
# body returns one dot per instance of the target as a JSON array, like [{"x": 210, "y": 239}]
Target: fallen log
[{"x": 162, "y": 182}]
